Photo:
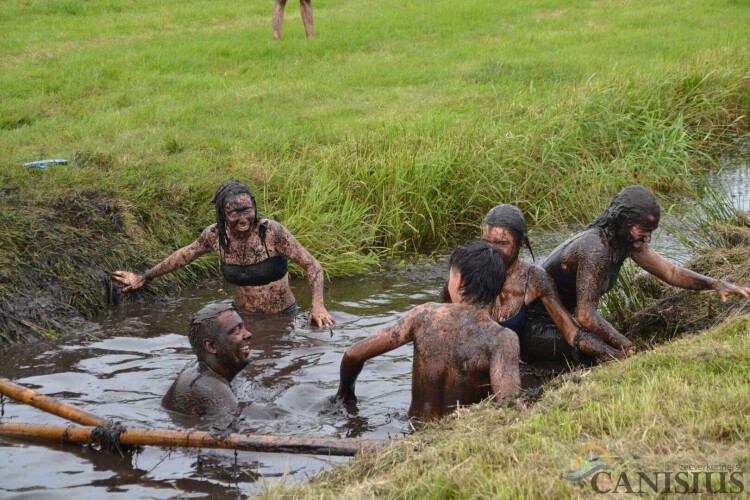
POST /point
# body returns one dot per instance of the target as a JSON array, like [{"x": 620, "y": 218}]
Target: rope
[{"x": 108, "y": 437}]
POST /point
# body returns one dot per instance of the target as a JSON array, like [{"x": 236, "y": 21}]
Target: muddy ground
[{"x": 56, "y": 259}]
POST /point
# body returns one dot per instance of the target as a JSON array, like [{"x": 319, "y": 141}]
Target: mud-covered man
[
  {"x": 461, "y": 354},
  {"x": 586, "y": 266},
  {"x": 219, "y": 339}
]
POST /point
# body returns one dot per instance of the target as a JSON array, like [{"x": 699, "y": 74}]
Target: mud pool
[
  {"x": 126, "y": 363},
  {"x": 122, "y": 366}
]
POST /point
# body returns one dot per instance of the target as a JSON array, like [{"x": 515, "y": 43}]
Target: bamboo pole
[
  {"x": 48, "y": 404},
  {"x": 173, "y": 438}
]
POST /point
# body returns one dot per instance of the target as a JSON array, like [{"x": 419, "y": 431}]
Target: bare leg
[
  {"x": 305, "y": 7},
  {"x": 278, "y": 18}
]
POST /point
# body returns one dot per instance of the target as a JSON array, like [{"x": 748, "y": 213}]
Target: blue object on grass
[{"x": 45, "y": 163}]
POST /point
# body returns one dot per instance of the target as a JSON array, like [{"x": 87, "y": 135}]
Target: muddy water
[
  {"x": 123, "y": 369},
  {"x": 126, "y": 362}
]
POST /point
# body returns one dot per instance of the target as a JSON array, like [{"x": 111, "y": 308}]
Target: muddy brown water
[
  {"x": 129, "y": 356},
  {"x": 133, "y": 353}
]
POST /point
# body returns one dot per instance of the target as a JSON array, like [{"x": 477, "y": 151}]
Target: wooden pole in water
[
  {"x": 48, "y": 404},
  {"x": 172, "y": 438},
  {"x": 155, "y": 437}
]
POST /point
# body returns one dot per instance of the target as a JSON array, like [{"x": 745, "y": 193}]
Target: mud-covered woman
[
  {"x": 587, "y": 265},
  {"x": 254, "y": 254},
  {"x": 504, "y": 228}
]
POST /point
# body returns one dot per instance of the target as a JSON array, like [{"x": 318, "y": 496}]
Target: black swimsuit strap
[
  {"x": 262, "y": 233},
  {"x": 526, "y": 288}
]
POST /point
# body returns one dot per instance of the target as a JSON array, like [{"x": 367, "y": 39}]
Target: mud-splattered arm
[
  {"x": 286, "y": 244},
  {"x": 593, "y": 269},
  {"x": 176, "y": 260},
  {"x": 541, "y": 283},
  {"x": 380, "y": 342},
  {"x": 505, "y": 376},
  {"x": 678, "y": 276}
]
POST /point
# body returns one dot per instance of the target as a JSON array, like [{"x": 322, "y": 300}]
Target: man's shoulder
[
  {"x": 198, "y": 390},
  {"x": 429, "y": 307},
  {"x": 199, "y": 378}
]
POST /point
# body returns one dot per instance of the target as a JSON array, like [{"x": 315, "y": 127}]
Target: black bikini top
[
  {"x": 516, "y": 321},
  {"x": 259, "y": 274}
]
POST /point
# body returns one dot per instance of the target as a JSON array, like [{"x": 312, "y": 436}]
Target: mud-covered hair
[
  {"x": 224, "y": 193},
  {"x": 511, "y": 218},
  {"x": 482, "y": 270},
  {"x": 205, "y": 325},
  {"x": 633, "y": 205}
]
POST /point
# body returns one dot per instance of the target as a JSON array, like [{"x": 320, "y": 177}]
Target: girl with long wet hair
[
  {"x": 587, "y": 265},
  {"x": 253, "y": 251}
]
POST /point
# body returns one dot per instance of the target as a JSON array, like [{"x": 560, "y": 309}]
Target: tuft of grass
[
  {"x": 706, "y": 223},
  {"x": 681, "y": 404}
]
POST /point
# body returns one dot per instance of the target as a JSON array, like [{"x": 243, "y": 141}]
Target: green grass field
[{"x": 394, "y": 130}]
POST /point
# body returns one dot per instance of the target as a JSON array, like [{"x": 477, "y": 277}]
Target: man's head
[
  {"x": 218, "y": 337},
  {"x": 505, "y": 228},
  {"x": 233, "y": 202},
  {"x": 631, "y": 217},
  {"x": 476, "y": 273}
]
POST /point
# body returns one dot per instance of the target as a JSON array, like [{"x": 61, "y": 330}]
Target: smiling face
[
  {"x": 231, "y": 347},
  {"x": 502, "y": 240},
  {"x": 239, "y": 213},
  {"x": 640, "y": 234}
]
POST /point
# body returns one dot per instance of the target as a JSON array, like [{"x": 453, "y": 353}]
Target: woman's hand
[
  {"x": 131, "y": 281},
  {"x": 319, "y": 317},
  {"x": 725, "y": 289}
]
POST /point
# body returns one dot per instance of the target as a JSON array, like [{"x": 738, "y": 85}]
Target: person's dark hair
[
  {"x": 482, "y": 270},
  {"x": 205, "y": 325},
  {"x": 633, "y": 205},
  {"x": 224, "y": 193},
  {"x": 511, "y": 218}
]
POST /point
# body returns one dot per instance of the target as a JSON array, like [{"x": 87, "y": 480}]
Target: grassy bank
[
  {"x": 394, "y": 130},
  {"x": 682, "y": 404}
]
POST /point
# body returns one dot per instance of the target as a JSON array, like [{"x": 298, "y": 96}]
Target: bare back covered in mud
[{"x": 461, "y": 356}]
